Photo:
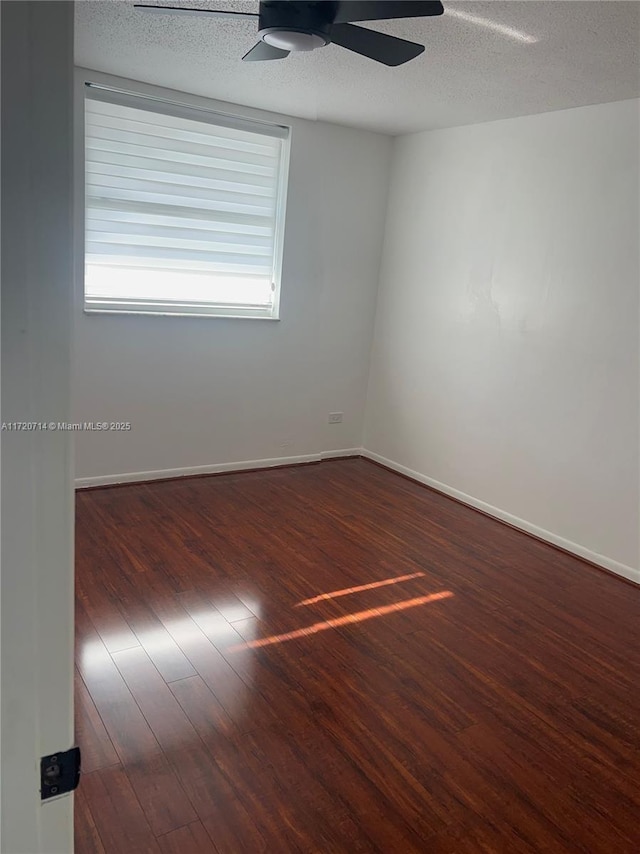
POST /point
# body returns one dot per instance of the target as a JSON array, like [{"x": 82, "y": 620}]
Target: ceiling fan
[{"x": 294, "y": 25}]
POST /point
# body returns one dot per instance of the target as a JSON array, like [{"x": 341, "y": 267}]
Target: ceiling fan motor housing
[{"x": 296, "y": 26}]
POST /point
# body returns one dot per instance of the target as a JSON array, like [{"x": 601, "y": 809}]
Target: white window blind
[{"x": 184, "y": 209}]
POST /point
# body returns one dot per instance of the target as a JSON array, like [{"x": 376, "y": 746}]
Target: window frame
[{"x": 167, "y": 102}]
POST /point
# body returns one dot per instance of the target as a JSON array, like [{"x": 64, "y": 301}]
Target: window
[{"x": 184, "y": 209}]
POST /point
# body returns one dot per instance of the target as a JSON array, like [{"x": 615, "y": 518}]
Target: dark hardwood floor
[{"x": 332, "y": 658}]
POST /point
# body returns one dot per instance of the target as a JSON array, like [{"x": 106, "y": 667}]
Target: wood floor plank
[
  {"x": 238, "y": 834},
  {"x": 192, "y": 839},
  {"x": 86, "y": 837},
  {"x": 103, "y": 611},
  {"x": 194, "y": 761},
  {"x": 91, "y": 736},
  {"x": 246, "y": 708},
  {"x": 118, "y": 816},
  {"x": 279, "y": 677},
  {"x": 482, "y": 838},
  {"x": 161, "y": 648},
  {"x": 152, "y": 778},
  {"x": 238, "y": 813}
]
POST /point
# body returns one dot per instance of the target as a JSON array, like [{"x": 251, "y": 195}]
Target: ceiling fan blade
[
  {"x": 384, "y": 10},
  {"x": 379, "y": 46},
  {"x": 181, "y": 10},
  {"x": 262, "y": 51}
]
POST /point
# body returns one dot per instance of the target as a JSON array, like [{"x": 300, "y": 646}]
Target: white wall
[
  {"x": 37, "y": 495},
  {"x": 207, "y": 392},
  {"x": 505, "y": 356}
]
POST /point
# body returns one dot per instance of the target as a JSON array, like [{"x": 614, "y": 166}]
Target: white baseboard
[
  {"x": 344, "y": 452},
  {"x": 214, "y": 468},
  {"x": 576, "y": 549}
]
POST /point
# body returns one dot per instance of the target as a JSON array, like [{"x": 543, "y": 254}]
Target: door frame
[{"x": 37, "y": 619}]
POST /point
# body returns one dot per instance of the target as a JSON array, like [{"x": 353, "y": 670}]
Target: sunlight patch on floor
[
  {"x": 357, "y": 617},
  {"x": 372, "y": 586}
]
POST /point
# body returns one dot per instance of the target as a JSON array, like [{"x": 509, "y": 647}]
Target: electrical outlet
[{"x": 335, "y": 418}]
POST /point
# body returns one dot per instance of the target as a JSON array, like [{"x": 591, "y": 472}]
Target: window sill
[{"x": 207, "y": 315}]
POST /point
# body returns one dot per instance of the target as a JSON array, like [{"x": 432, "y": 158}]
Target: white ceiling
[{"x": 585, "y": 53}]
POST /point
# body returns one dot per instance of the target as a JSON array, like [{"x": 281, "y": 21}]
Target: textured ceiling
[{"x": 584, "y": 53}]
